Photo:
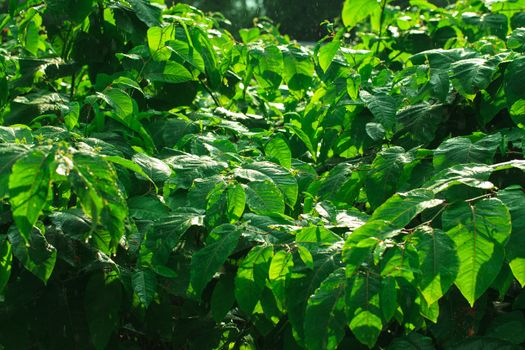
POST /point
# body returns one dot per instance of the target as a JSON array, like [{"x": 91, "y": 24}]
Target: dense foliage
[{"x": 164, "y": 186}]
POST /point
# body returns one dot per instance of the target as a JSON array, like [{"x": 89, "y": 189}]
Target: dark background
[{"x": 300, "y": 19}]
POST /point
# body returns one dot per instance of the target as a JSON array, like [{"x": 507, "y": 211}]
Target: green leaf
[
  {"x": 251, "y": 277},
  {"x": 318, "y": 235},
  {"x": 412, "y": 341},
  {"x": 147, "y": 207},
  {"x": 102, "y": 300},
  {"x": 460, "y": 150},
  {"x": 471, "y": 75},
  {"x": 157, "y": 38},
  {"x": 279, "y": 274},
  {"x": 94, "y": 181},
  {"x": 420, "y": 122},
  {"x": 508, "y": 326},
  {"x": 223, "y": 297},
  {"x": 360, "y": 243},
  {"x": 514, "y": 198},
  {"x": 187, "y": 53},
  {"x": 236, "y": 202},
  {"x": 6, "y": 258},
  {"x": 167, "y": 72},
  {"x": 144, "y": 285},
  {"x": 479, "y": 232},
  {"x": 38, "y": 257},
  {"x": 401, "y": 208},
  {"x": 324, "y": 320},
  {"x": 269, "y": 67},
  {"x": 513, "y": 84},
  {"x": 29, "y": 189},
  {"x": 516, "y": 40},
  {"x": 146, "y": 12},
  {"x": 383, "y": 108},
  {"x": 354, "y": 11},
  {"x": 207, "y": 261},
  {"x": 280, "y": 177},
  {"x": 119, "y": 100},
  {"x": 155, "y": 168},
  {"x": 264, "y": 198},
  {"x": 10, "y": 154},
  {"x": 438, "y": 262},
  {"x": 278, "y": 149},
  {"x": 388, "y": 297},
  {"x": 384, "y": 174},
  {"x": 298, "y": 68},
  {"x": 363, "y": 308},
  {"x": 327, "y": 54}
]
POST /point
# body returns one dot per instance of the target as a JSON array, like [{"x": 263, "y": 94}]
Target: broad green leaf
[
  {"x": 383, "y": 108},
  {"x": 400, "y": 262},
  {"x": 479, "y": 232},
  {"x": 473, "y": 175},
  {"x": 102, "y": 300},
  {"x": 251, "y": 277},
  {"x": 508, "y": 326},
  {"x": 363, "y": 308},
  {"x": 401, "y": 208},
  {"x": 119, "y": 100},
  {"x": 384, "y": 174},
  {"x": 278, "y": 149},
  {"x": 144, "y": 285},
  {"x": 388, "y": 297},
  {"x": 29, "y": 189},
  {"x": 6, "y": 258},
  {"x": 71, "y": 114},
  {"x": 514, "y": 199},
  {"x": 412, "y": 341},
  {"x": 167, "y": 72},
  {"x": 223, "y": 297},
  {"x": 298, "y": 68},
  {"x": 279, "y": 274},
  {"x": 187, "y": 53},
  {"x": 207, "y": 261},
  {"x": 157, "y": 38},
  {"x": 471, "y": 75},
  {"x": 284, "y": 180},
  {"x": 420, "y": 122},
  {"x": 360, "y": 243},
  {"x": 95, "y": 183},
  {"x": 217, "y": 205},
  {"x": 318, "y": 235},
  {"x": 10, "y": 154},
  {"x": 236, "y": 202},
  {"x": 39, "y": 257},
  {"x": 13, "y": 136},
  {"x": 130, "y": 165},
  {"x": 304, "y": 284},
  {"x": 327, "y": 53},
  {"x": 516, "y": 40},
  {"x": 269, "y": 66},
  {"x": 264, "y": 198},
  {"x": 155, "y": 168},
  {"x": 460, "y": 150},
  {"x": 146, "y": 12},
  {"x": 324, "y": 320},
  {"x": 438, "y": 262},
  {"x": 513, "y": 84},
  {"x": 355, "y": 11},
  {"x": 147, "y": 207}
]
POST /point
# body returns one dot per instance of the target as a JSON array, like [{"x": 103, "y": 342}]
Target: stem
[
  {"x": 381, "y": 20},
  {"x": 208, "y": 90}
]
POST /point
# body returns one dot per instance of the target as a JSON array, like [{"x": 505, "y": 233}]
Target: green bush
[{"x": 165, "y": 186}]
